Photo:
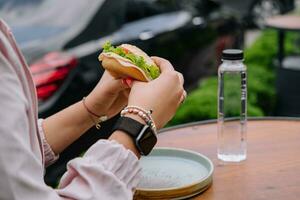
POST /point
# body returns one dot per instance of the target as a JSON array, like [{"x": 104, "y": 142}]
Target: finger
[
  {"x": 183, "y": 96},
  {"x": 181, "y": 79},
  {"x": 163, "y": 64},
  {"x": 126, "y": 93},
  {"x": 117, "y": 85},
  {"x": 136, "y": 82}
]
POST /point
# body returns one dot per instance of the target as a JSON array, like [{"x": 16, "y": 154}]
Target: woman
[{"x": 110, "y": 168}]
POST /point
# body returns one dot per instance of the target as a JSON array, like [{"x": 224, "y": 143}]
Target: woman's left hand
[{"x": 109, "y": 97}]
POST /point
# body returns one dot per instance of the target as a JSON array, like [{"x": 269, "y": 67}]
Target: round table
[
  {"x": 272, "y": 168},
  {"x": 283, "y": 23},
  {"x": 288, "y": 70}
]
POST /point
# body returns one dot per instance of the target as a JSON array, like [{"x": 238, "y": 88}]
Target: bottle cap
[{"x": 232, "y": 54}]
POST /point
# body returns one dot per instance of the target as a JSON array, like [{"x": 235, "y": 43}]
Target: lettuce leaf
[{"x": 150, "y": 70}]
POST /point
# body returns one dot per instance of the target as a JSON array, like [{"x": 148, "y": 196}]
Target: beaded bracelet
[
  {"x": 142, "y": 113},
  {"x": 145, "y": 112},
  {"x": 92, "y": 116}
]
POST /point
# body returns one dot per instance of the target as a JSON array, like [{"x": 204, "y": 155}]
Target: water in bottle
[{"x": 232, "y": 107}]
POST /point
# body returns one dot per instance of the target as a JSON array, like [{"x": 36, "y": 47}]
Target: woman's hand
[
  {"x": 162, "y": 95},
  {"x": 63, "y": 128},
  {"x": 108, "y": 97}
]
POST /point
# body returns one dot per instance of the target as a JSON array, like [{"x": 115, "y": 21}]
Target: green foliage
[
  {"x": 262, "y": 51},
  {"x": 201, "y": 104},
  {"x": 198, "y": 104}
]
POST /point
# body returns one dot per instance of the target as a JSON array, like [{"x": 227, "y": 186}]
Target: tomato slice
[{"x": 125, "y": 50}]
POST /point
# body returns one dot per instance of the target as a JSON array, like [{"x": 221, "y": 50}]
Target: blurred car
[
  {"x": 256, "y": 11},
  {"x": 61, "y": 44}
]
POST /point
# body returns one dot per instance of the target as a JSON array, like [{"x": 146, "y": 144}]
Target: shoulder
[
  {"x": 5, "y": 32},
  {"x": 9, "y": 53},
  {"x": 3, "y": 26},
  {"x": 5, "y": 40}
]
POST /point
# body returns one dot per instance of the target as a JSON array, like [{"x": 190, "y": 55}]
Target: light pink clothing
[{"x": 106, "y": 171}]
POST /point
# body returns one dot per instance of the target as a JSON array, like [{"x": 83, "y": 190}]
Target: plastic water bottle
[{"x": 232, "y": 107}]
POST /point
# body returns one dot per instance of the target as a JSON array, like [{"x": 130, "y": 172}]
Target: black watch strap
[{"x": 130, "y": 126}]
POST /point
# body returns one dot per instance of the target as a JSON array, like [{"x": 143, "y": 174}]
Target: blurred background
[{"x": 61, "y": 41}]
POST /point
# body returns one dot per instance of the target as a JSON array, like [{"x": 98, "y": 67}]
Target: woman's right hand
[{"x": 162, "y": 95}]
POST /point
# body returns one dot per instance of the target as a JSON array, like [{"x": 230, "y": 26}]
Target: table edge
[
  {"x": 211, "y": 121},
  {"x": 267, "y": 26}
]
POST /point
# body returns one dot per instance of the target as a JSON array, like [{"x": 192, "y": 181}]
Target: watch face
[{"x": 146, "y": 140}]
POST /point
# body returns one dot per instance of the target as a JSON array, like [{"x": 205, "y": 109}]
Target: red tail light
[{"x": 50, "y": 71}]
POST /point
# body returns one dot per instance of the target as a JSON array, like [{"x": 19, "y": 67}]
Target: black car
[
  {"x": 256, "y": 11},
  {"x": 61, "y": 41}
]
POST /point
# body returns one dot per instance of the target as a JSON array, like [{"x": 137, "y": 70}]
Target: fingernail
[{"x": 128, "y": 81}]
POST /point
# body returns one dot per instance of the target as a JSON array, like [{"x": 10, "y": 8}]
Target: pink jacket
[{"x": 106, "y": 171}]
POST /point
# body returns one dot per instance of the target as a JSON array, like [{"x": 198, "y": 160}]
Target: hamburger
[{"x": 128, "y": 61}]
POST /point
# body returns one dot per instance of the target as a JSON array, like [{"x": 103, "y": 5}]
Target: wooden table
[{"x": 272, "y": 168}]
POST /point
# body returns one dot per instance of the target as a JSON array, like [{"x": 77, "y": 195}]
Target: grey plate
[{"x": 174, "y": 173}]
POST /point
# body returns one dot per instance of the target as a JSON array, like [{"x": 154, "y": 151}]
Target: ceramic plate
[{"x": 171, "y": 173}]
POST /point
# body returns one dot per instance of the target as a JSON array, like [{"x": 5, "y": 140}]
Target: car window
[
  {"x": 10, "y": 3},
  {"x": 137, "y": 9},
  {"x": 16, "y": 9},
  {"x": 48, "y": 12},
  {"x": 33, "y": 20}
]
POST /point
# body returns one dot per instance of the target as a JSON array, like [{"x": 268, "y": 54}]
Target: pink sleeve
[
  {"x": 106, "y": 163},
  {"x": 107, "y": 170},
  {"x": 49, "y": 155}
]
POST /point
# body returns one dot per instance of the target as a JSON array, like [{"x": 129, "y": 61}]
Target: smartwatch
[{"x": 143, "y": 136}]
